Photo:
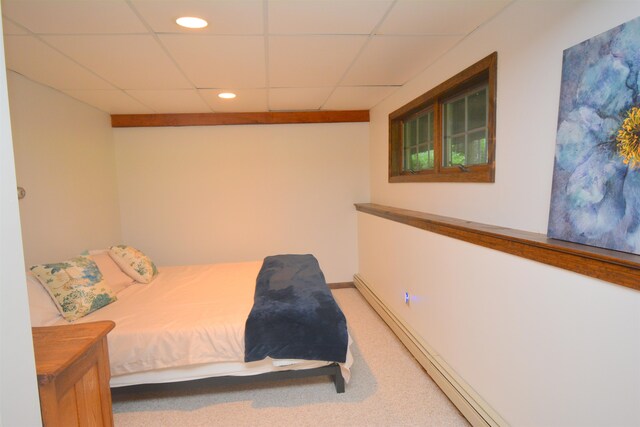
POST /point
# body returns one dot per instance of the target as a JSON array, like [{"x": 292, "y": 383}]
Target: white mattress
[{"x": 187, "y": 323}]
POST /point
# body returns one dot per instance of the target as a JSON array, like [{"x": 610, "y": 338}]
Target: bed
[{"x": 186, "y": 324}]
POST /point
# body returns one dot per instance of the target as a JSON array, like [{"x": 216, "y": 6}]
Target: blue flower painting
[{"x": 595, "y": 197}]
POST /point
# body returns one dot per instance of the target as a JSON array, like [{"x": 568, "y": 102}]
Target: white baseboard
[{"x": 474, "y": 409}]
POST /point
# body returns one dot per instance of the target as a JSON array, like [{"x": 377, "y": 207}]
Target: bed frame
[{"x": 332, "y": 370}]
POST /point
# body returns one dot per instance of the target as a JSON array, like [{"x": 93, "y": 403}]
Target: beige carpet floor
[{"x": 388, "y": 388}]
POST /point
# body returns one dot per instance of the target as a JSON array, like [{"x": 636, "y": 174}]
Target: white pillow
[
  {"x": 134, "y": 263},
  {"x": 111, "y": 272},
  {"x": 42, "y": 309}
]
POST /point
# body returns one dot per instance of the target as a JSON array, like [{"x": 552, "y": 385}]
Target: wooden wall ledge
[
  {"x": 218, "y": 119},
  {"x": 612, "y": 266}
]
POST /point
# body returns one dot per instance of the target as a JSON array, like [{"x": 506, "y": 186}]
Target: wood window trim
[
  {"x": 612, "y": 266},
  {"x": 483, "y": 70}
]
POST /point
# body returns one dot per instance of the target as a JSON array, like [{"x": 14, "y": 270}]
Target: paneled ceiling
[{"x": 130, "y": 57}]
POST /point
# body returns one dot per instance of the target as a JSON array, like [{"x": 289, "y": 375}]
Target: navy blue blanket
[{"x": 294, "y": 315}]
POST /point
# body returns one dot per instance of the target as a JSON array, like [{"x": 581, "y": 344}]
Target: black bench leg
[{"x": 338, "y": 379}]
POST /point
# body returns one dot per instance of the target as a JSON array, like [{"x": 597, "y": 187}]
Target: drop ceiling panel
[
  {"x": 73, "y": 16},
  {"x": 32, "y": 58},
  {"x": 110, "y": 101},
  {"x": 311, "y": 61},
  {"x": 219, "y": 61},
  {"x": 9, "y": 27},
  {"x": 439, "y": 17},
  {"x": 171, "y": 101},
  {"x": 247, "y": 100},
  {"x": 276, "y": 54},
  {"x": 224, "y": 17},
  {"x": 127, "y": 61},
  {"x": 326, "y": 16},
  {"x": 357, "y": 97},
  {"x": 290, "y": 99},
  {"x": 393, "y": 60}
]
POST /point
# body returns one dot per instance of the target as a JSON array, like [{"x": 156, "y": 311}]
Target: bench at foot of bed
[{"x": 332, "y": 370}]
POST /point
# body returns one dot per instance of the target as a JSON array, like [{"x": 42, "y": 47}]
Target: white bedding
[{"x": 187, "y": 323}]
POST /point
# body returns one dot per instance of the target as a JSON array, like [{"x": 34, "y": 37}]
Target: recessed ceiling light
[
  {"x": 227, "y": 95},
  {"x": 191, "y": 22}
]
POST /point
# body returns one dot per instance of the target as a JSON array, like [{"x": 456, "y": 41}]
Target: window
[{"x": 448, "y": 133}]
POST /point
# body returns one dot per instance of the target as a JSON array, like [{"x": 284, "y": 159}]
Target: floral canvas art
[{"x": 595, "y": 196}]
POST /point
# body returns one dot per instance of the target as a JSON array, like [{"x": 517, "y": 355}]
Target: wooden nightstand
[{"x": 72, "y": 364}]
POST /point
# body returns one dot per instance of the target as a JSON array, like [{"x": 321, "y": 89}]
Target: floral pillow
[
  {"x": 43, "y": 310},
  {"x": 76, "y": 286},
  {"x": 134, "y": 263}
]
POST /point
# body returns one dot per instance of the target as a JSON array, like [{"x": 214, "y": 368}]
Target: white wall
[
  {"x": 529, "y": 37},
  {"x": 65, "y": 160},
  {"x": 543, "y": 346},
  {"x": 233, "y": 193},
  {"x": 19, "y": 404}
]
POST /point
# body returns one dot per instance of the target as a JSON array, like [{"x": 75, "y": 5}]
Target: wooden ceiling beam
[{"x": 218, "y": 119}]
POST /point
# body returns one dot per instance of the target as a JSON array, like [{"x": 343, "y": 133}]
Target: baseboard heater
[{"x": 475, "y": 410}]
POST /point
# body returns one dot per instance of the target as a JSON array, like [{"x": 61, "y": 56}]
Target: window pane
[
  {"x": 423, "y": 128},
  {"x": 454, "y": 113},
  {"x": 466, "y": 137},
  {"x": 458, "y": 151},
  {"x": 477, "y": 105},
  {"x": 418, "y": 142},
  {"x": 410, "y": 139},
  {"x": 425, "y": 156},
  {"x": 455, "y": 151},
  {"x": 414, "y": 163},
  {"x": 407, "y": 159},
  {"x": 477, "y": 148}
]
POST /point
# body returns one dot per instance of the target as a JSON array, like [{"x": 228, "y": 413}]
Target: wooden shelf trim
[
  {"x": 611, "y": 266},
  {"x": 218, "y": 119}
]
